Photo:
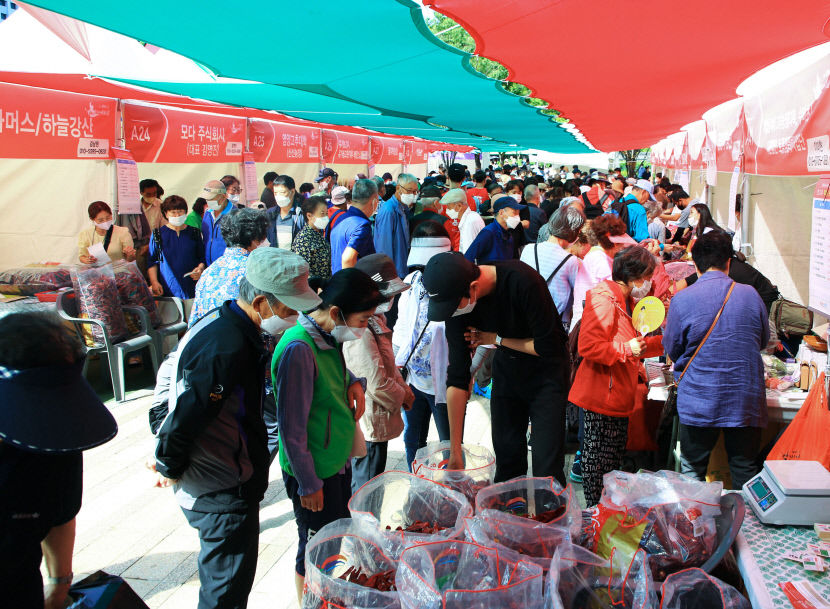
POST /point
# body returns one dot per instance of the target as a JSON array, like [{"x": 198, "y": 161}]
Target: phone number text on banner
[
  {"x": 54, "y": 126},
  {"x": 164, "y": 135}
]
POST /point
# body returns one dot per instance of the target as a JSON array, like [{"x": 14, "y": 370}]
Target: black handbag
[{"x": 670, "y": 407}]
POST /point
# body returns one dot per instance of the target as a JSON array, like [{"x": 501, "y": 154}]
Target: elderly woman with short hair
[{"x": 177, "y": 253}]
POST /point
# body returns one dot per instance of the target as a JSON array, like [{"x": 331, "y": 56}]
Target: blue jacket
[
  {"x": 212, "y": 235},
  {"x": 725, "y": 385},
  {"x": 354, "y": 231},
  {"x": 392, "y": 233},
  {"x": 493, "y": 243},
  {"x": 637, "y": 219}
]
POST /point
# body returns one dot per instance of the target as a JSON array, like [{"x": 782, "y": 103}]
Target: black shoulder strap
[
  {"x": 536, "y": 256},
  {"x": 108, "y": 237},
  {"x": 586, "y": 199},
  {"x": 556, "y": 270},
  {"x": 603, "y": 198},
  {"x": 157, "y": 240}
]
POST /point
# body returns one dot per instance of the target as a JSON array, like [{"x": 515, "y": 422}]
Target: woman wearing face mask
[
  {"x": 612, "y": 351},
  {"x": 234, "y": 190},
  {"x": 285, "y": 220},
  {"x": 310, "y": 242},
  {"x": 117, "y": 242},
  {"x": 701, "y": 221},
  {"x": 372, "y": 358},
  {"x": 318, "y": 402},
  {"x": 177, "y": 254}
]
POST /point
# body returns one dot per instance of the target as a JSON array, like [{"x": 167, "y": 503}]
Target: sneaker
[{"x": 576, "y": 468}]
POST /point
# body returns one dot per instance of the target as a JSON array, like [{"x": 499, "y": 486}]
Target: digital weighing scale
[{"x": 790, "y": 492}]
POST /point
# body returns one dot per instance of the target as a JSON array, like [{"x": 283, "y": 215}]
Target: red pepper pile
[
  {"x": 420, "y": 526},
  {"x": 548, "y": 516},
  {"x": 383, "y": 581}
]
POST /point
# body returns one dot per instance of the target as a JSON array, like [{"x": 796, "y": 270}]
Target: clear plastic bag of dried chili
[
  {"x": 349, "y": 563},
  {"x": 479, "y": 467}
]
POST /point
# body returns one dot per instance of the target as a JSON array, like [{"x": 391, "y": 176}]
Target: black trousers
[
  {"x": 526, "y": 389},
  {"x": 742, "y": 447},
  {"x": 373, "y": 464},
  {"x": 228, "y": 556}
]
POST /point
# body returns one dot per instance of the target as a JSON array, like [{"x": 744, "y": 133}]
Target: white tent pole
[{"x": 746, "y": 246}]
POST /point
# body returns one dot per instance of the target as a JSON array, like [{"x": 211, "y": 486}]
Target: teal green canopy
[{"x": 371, "y": 64}]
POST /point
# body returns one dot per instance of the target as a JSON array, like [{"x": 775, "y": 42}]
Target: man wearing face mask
[
  {"x": 432, "y": 208},
  {"x": 284, "y": 220},
  {"x": 318, "y": 403},
  {"x": 326, "y": 180},
  {"x": 506, "y": 304},
  {"x": 212, "y": 446},
  {"x": 218, "y": 205},
  {"x": 637, "y": 222},
  {"x": 392, "y": 222},
  {"x": 495, "y": 242},
  {"x": 234, "y": 190},
  {"x": 466, "y": 222},
  {"x": 351, "y": 237}
]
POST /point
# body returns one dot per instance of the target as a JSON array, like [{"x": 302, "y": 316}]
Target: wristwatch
[
  {"x": 498, "y": 340},
  {"x": 57, "y": 581}
]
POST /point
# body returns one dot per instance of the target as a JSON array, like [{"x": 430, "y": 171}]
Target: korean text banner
[
  {"x": 165, "y": 135},
  {"x": 345, "y": 148},
  {"x": 386, "y": 150},
  {"x": 416, "y": 152},
  {"x": 45, "y": 124},
  {"x": 273, "y": 142}
]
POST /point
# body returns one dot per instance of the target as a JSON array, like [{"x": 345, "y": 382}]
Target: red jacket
[{"x": 606, "y": 381}]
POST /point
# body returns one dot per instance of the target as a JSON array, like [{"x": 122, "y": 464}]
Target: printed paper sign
[
  {"x": 93, "y": 149},
  {"x": 44, "y": 124},
  {"x": 818, "y": 153},
  {"x": 249, "y": 175},
  {"x": 126, "y": 176},
  {"x": 820, "y": 249}
]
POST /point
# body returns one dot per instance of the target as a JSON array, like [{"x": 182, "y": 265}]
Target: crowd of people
[{"x": 328, "y": 320}]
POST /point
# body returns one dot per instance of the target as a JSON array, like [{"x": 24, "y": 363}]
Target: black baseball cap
[
  {"x": 507, "y": 201},
  {"x": 430, "y": 191},
  {"x": 447, "y": 279},
  {"x": 325, "y": 172},
  {"x": 381, "y": 268}
]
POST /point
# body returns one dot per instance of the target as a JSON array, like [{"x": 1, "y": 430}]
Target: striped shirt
[{"x": 561, "y": 286}]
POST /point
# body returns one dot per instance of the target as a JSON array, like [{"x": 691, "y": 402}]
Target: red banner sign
[
  {"x": 416, "y": 152},
  {"x": 345, "y": 148},
  {"x": 44, "y": 124},
  {"x": 386, "y": 150},
  {"x": 273, "y": 142},
  {"x": 164, "y": 135}
]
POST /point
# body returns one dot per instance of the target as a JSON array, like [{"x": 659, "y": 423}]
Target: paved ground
[{"x": 129, "y": 528}]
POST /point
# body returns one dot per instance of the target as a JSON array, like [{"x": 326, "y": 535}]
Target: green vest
[{"x": 331, "y": 424}]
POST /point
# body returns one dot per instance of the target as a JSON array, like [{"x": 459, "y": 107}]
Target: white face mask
[
  {"x": 322, "y": 185},
  {"x": 383, "y": 308},
  {"x": 408, "y": 198},
  {"x": 283, "y": 201},
  {"x": 517, "y": 197},
  {"x": 213, "y": 205},
  {"x": 344, "y": 333},
  {"x": 104, "y": 225},
  {"x": 321, "y": 222},
  {"x": 694, "y": 221},
  {"x": 452, "y": 214},
  {"x": 233, "y": 199},
  {"x": 638, "y": 292},
  {"x": 275, "y": 324},
  {"x": 466, "y": 309},
  {"x": 513, "y": 221},
  {"x": 177, "y": 220}
]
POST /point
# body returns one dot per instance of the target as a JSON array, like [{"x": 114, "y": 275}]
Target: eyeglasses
[{"x": 409, "y": 191}]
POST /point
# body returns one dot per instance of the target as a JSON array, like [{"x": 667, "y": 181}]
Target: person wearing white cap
[
  {"x": 213, "y": 447},
  {"x": 637, "y": 220},
  {"x": 467, "y": 221},
  {"x": 218, "y": 205}
]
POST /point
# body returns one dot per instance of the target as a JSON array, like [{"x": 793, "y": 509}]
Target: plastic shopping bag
[
  {"x": 98, "y": 299},
  {"x": 103, "y": 591},
  {"x": 579, "y": 579},
  {"x": 350, "y": 564},
  {"x": 479, "y": 467},
  {"x": 532, "y": 541},
  {"x": 695, "y": 589},
  {"x": 806, "y": 438},
  {"x": 670, "y": 516},
  {"x": 464, "y": 575},
  {"x": 411, "y": 509},
  {"x": 530, "y": 501}
]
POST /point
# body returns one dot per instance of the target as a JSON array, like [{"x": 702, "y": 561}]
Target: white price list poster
[
  {"x": 126, "y": 175},
  {"x": 820, "y": 249},
  {"x": 249, "y": 175}
]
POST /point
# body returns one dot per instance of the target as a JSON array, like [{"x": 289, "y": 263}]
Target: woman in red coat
[{"x": 606, "y": 382}]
